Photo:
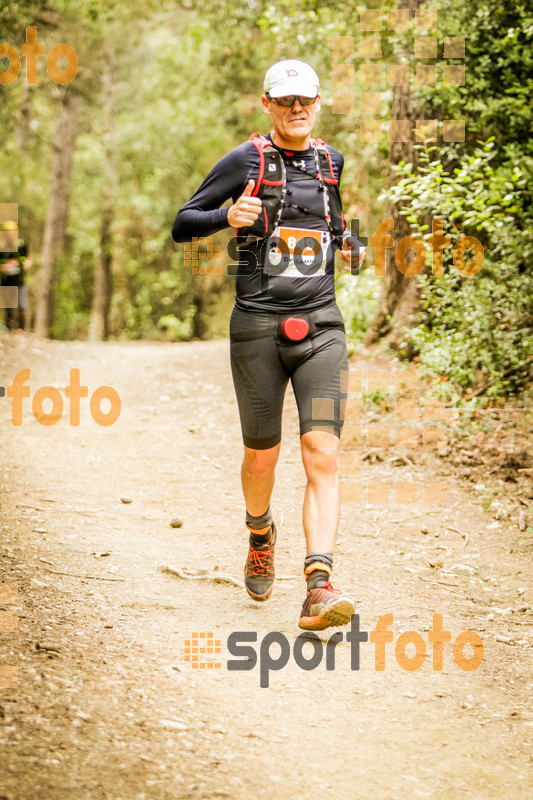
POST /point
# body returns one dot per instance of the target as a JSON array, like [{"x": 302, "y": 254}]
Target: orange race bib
[{"x": 297, "y": 253}]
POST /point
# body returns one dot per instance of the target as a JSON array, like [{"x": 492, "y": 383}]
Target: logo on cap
[{"x": 291, "y": 73}]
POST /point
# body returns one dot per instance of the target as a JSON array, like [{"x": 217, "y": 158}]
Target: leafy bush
[
  {"x": 477, "y": 328},
  {"x": 357, "y": 297}
]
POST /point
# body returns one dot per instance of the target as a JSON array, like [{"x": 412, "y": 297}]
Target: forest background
[{"x": 100, "y": 166}]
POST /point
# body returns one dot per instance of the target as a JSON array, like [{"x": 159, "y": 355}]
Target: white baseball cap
[{"x": 291, "y": 77}]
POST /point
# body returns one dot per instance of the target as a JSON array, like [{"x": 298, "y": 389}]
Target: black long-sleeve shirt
[{"x": 259, "y": 287}]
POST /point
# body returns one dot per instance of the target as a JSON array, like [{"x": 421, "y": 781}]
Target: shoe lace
[
  {"x": 324, "y": 591},
  {"x": 260, "y": 561}
]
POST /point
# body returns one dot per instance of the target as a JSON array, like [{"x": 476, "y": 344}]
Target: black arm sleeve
[{"x": 202, "y": 215}]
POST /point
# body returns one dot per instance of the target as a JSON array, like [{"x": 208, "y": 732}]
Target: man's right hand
[{"x": 246, "y": 210}]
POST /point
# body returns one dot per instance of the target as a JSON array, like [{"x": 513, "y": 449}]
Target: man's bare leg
[
  {"x": 257, "y": 475},
  {"x": 323, "y": 606},
  {"x": 320, "y": 456}
]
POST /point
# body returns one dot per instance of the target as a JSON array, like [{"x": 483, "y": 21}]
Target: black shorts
[{"x": 263, "y": 361}]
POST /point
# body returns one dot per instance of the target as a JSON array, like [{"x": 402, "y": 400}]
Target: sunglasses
[{"x": 290, "y": 100}]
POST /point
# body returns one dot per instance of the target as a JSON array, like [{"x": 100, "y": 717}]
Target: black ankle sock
[
  {"x": 257, "y": 523},
  {"x": 260, "y": 539},
  {"x": 316, "y": 577}
]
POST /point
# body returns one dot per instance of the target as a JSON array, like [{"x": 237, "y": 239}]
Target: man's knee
[
  {"x": 260, "y": 463},
  {"x": 320, "y": 453}
]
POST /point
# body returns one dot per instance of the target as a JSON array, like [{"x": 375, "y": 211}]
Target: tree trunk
[
  {"x": 199, "y": 326},
  {"x": 56, "y": 218},
  {"x": 99, "y": 325},
  {"x": 23, "y": 126},
  {"x": 398, "y": 300}
]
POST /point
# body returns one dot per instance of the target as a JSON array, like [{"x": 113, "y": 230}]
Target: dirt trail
[{"x": 116, "y": 712}]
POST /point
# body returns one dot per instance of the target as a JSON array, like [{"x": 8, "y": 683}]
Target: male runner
[{"x": 286, "y": 323}]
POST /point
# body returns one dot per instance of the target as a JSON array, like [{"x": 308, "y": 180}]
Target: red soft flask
[{"x": 295, "y": 329}]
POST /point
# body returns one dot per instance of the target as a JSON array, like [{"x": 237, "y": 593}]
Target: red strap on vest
[
  {"x": 260, "y": 143},
  {"x": 295, "y": 329},
  {"x": 320, "y": 143}
]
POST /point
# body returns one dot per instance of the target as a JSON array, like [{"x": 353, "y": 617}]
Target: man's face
[{"x": 293, "y": 122}]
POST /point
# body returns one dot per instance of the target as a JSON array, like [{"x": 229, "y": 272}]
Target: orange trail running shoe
[
  {"x": 326, "y": 607},
  {"x": 259, "y": 574}
]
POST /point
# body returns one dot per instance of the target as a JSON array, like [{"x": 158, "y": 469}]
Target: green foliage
[
  {"x": 496, "y": 98},
  {"x": 177, "y": 330},
  {"x": 162, "y": 150},
  {"x": 478, "y": 330},
  {"x": 14, "y": 17},
  {"x": 380, "y": 399},
  {"x": 477, "y": 327},
  {"x": 187, "y": 85},
  {"x": 357, "y": 297}
]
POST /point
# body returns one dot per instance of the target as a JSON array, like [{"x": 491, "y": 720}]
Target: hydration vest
[{"x": 271, "y": 188}]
